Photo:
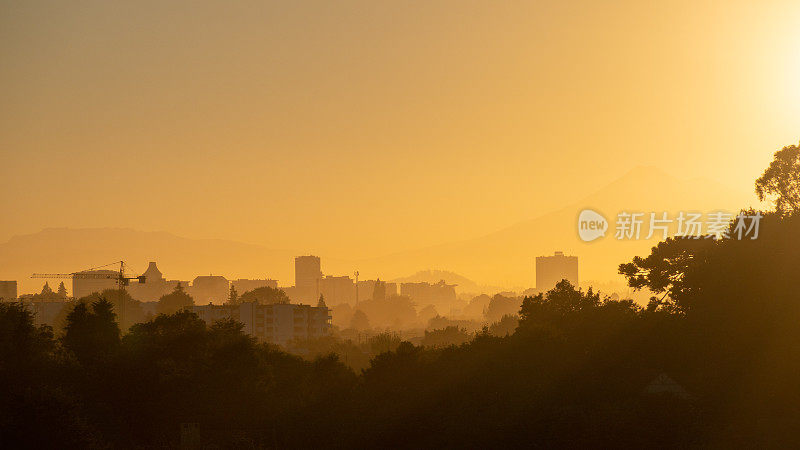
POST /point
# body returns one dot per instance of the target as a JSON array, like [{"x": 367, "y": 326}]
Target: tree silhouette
[
  {"x": 46, "y": 291},
  {"x": 445, "y": 337},
  {"x": 264, "y": 295},
  {"x": 360, "y": 321},
  {"x": 175, "y": 301},
  {"x": 383, "y": 342},
  {"x": 506, "y": 326},
  {"x": 781, "y": 181},
  {"x": 233, "y": 296},
  {"x": 556, "y": 304},
  {"x": 500, "y": 306},
  {"x": 91, "y": 332},
  {"x": 128, "y": 310},
  {"x": 21, "y": 342}
]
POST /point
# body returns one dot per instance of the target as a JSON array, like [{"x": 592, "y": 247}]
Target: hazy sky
[{"x": 360, "y": 128}]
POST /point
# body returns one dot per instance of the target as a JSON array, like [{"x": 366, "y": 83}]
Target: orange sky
[{"x": 363, "y": 128}]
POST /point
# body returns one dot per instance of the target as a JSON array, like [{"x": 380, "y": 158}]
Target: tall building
[
  {"x": 366, "y": 289},
  {"x": 552, "y": 269},
  {"x": 83, "y": 287},
  {"x": 338, "y": 290},
  {"x": 391, "y": 289},
  {"x": 8, "y": 290},
  {"x": 307, "y": 277}
]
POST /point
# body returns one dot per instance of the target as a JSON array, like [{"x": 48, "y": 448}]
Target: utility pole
[
  {"x": 121, "y": 283},
  {"x": 356, "y": 274}
]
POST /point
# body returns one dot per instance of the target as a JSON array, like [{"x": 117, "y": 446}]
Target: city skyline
[
  {"x": 510, "y": 250},
  {"x": 279, "y": 224}
]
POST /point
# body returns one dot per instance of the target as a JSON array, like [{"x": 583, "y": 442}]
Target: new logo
[{"x": 591, "y": 225}]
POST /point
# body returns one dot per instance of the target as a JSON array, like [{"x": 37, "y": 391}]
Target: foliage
[
  {"x": 21, "y": 342},
  {"x": 91, "y": 332},
  {"x": 128, "y": 310},
  {"x": 506, "y": 326},
  {"x": 500, "y": 306},
  {"x": 780, "y": 182},
  {"x": 359, "y": 320},
  {"x": 383, "y": 342},
  {"x": 47, "y": 294},
  {"x": 264, "y": 296},
  {"x": 446, "y": 337},
  {"x": 175, "y": 301},
  {"x": 233, "y": 296},
  {"x": 62, "y": 290}
]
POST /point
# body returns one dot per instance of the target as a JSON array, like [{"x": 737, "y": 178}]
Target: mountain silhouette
[
  {"x": 506, "y": 257},
  {"x": 463, "y": 284}
]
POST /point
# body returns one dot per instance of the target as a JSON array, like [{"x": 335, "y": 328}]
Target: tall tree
[
  {"x": 781, "y": 181},
  {"x": 233, "y": 297},
  {"x": 264, "y": 296},
  {"x": 91, "y": 332},
  {"x": 360, "y": 321},
  {"x": 46, "y": 290},
  {"x": 62, "y": 290},
  {"x": 175, "y": 301},
  {"x": 21, "y": 342}
]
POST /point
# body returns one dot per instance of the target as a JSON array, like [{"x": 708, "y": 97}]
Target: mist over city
[{"x": 358, "y": 224}]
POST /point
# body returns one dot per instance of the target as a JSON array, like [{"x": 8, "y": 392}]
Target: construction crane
[{"x": 90, "y": 274}]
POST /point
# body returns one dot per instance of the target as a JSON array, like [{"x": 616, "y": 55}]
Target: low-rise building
[
  {"x": 275, "y": 323},
  {"x": 366, "y": 289},
  {"x": 8, "y": 290},
  {"x": 439, "y": 294},
  {"x": 84, "y": 287},
  {"x": 209, "y": 289},
  {"x": 337, "y": 290}
]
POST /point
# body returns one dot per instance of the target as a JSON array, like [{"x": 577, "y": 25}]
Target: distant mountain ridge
[
  {"x": 503, "y": 258},
  {"x": 506, "y": 257},
  {"x": 463, "y": 283}
]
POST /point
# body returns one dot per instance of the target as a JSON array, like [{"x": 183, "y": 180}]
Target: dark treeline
[{"x": 712, "y": 361}]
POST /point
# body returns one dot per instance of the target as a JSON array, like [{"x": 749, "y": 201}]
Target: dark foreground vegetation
[
  {"x": 721, "y": 342},
  {"x": 577, "y": 372}
]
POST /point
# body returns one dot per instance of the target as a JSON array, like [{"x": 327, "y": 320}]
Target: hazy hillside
[
  {"x": 463, "y": 283},
  {"x": 506, "y": 257}
]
